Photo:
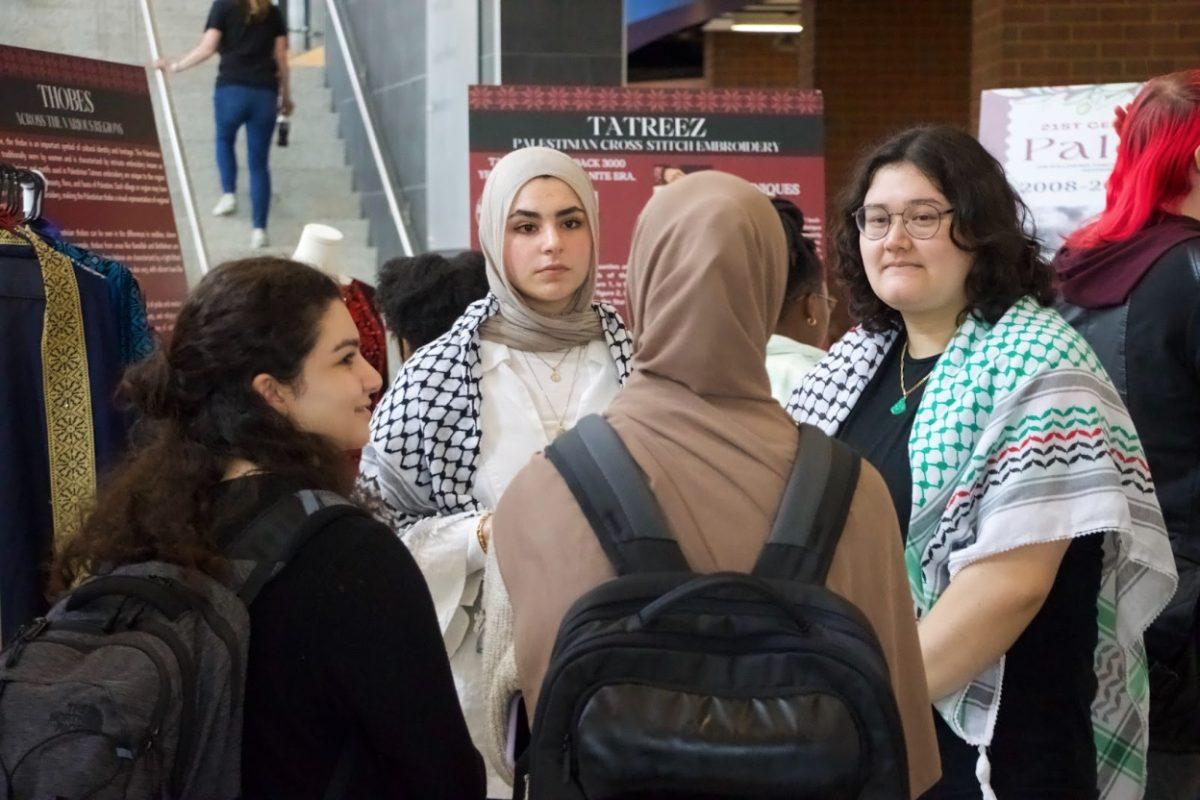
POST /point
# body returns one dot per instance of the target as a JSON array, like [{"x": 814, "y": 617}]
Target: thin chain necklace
[
  {"x": 560, "y": 424},
  {"x": 901, "y": 405},
  {"x": 554, "y": 373}
]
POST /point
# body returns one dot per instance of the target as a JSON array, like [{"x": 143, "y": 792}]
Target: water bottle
[{"x": 283, "y": 124}]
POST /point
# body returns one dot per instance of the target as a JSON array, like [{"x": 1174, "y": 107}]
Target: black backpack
[
  {"x": 132, "y": 685},
  {"x": 668, "y": 684}
]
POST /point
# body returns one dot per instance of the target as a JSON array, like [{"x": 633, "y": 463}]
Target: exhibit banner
[
  {"x": 1058, "y": 146},
  {"x": 633, "y": 141},
  {"x": 88, "y": 126}
]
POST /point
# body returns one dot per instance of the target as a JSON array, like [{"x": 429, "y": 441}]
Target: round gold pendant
[{"x": 554, "y": 376}]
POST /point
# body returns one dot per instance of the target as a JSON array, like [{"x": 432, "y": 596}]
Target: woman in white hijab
[{"x": 469, "y": 409}]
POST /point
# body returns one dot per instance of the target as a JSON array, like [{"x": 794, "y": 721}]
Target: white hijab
[{"x": 518, "y": 325}]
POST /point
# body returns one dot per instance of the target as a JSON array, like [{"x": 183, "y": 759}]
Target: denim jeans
[{"x": 253, "y": 106}]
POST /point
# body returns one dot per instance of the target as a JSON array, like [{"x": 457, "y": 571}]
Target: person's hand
[
  {"x": 162, "y": 63},
  {"x": 286, "y": 105}
]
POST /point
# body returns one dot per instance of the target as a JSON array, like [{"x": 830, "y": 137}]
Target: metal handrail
[
  {"x": 382, "y": 165},
  {"x": 164, "y": 97}
]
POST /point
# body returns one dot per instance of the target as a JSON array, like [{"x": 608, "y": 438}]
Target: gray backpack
[{"x": 132, "y": 685}]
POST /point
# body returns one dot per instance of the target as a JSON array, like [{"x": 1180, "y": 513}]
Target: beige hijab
[
  {"x": 706, "y": 281},
  {"x": 517, "y": 325}
]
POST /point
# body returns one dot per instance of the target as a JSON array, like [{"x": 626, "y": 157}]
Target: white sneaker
[
  {"x": 225, "y": 206},
  {"x": 258, "y": 239}
]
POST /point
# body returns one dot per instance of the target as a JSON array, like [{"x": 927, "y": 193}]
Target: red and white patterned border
[
  {"x": 671, "y": 101},
  {"x": 24, "y": 64}
]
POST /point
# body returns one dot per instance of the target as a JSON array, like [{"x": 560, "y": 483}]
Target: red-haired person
[{"x": 1131, "y": 285}]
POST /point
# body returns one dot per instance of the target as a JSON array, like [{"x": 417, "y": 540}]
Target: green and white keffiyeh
[{"x": 1020, "y": 438}]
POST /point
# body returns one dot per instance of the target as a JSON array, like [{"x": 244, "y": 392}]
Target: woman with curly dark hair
[
  {"x": 1035, "y": 547},
  {"x": 258, "y": 395}
]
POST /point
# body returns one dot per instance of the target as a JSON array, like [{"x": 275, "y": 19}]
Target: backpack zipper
[
  {"x": 187, "y": 722},
  {"x": 26, "y": 634}
]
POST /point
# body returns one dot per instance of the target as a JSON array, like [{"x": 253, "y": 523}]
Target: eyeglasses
[{"x": 921, "y": 220}]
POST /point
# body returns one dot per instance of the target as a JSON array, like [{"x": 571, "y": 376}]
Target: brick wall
[
  {"x": 1058, "y": 42},
  {"x": 883, "y": 65},
  {"x": 756, "y": 60}
]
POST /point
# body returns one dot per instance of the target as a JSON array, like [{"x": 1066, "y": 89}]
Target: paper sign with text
[
  {"x": 1058, "y": 146},
  {"x": 88, "y": 125}
]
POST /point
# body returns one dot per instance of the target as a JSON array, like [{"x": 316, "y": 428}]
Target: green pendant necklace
[{"x": 901, "y": 405}]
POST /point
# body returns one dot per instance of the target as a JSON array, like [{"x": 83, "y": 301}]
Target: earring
[{"x": 812, "y": 321}]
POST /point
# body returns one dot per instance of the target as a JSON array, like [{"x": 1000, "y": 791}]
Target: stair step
[
  {"x": 307, "y": 126},
  {"x": 300, "y": 154}
]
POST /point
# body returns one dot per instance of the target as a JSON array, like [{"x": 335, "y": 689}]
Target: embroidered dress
[
  {"x": 1020, "y": 438},
  {"x": 372, "y": 341},
  {"x": 59, "y": 365},
  {"x": 128, "y": 302}
]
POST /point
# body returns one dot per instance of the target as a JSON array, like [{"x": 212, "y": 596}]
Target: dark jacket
[
  {"x": 344, "y": 644},
  {"x": 1150, "y": 346}
]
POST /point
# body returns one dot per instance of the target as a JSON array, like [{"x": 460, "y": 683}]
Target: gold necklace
[
  {"x": 901, "y": 405},
  {"x": 560, "y": 424},
  {"x": 554, "y": 374}
]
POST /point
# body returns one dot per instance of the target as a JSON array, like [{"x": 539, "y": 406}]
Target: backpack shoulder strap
[
  {"x": 264, "y": 547},
  {"x": 813, "y": 510},
  {"x": 609, "y": 487}
]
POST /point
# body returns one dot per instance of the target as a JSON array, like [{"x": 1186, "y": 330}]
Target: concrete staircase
[{"x": 310, "y": 181}]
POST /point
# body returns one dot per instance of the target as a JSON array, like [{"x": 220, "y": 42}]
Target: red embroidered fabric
[{"x": 360, "y": 299}]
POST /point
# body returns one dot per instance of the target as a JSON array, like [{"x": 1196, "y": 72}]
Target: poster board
[
  {"x": 89, "y": 127},
  {"x": 632, "y": 140},
  {"x": 1058, "y": 146}
]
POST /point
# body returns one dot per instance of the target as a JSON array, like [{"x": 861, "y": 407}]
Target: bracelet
[{"x": 483, "y": 544}]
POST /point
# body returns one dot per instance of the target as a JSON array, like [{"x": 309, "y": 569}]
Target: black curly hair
[
  {"x": 804, "y": 265},
  {"x": 990, "y": 221},
  {"x": 421, "y": 296}
]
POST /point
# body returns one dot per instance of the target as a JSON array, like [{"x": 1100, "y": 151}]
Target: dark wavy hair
[
  {"x": 421, "y": 296},
  {"x": 990, "y": 221},
  {"x": 197, "y": 412}
]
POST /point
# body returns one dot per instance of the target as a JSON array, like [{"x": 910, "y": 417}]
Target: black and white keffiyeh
[{"x": 424, "y": 446}]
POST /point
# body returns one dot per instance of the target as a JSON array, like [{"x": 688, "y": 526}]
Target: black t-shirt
[
  {"x": 345, "y": 640},
  {"x": 881, "y": 436},
  {"x": 1043, "y": 745},
  {"x": 247, "y": 48}
]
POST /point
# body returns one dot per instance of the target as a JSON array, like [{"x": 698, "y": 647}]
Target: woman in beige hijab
[
  {"x": 469, "y": 409},
  {"x": 706, "y": 280}
]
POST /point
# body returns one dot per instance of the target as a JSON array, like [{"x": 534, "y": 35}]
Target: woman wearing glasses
[
  {"x": 802, "y": 331},
  {"x": 1035, "y": 547}
]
